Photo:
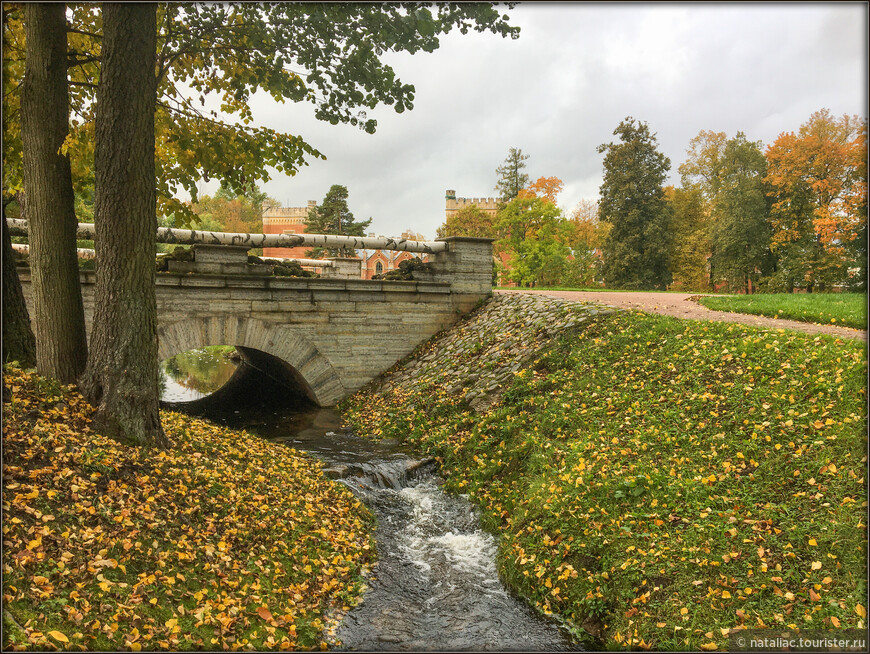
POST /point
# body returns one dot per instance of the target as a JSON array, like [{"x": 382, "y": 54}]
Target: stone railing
[{"x": 466, "y": 263}]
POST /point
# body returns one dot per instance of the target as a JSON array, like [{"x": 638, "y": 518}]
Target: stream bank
[{"x": 653, "y": 482}]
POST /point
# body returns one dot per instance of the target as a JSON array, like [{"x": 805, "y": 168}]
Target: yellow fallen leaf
[
  {"x": 813, "y": 542},
  {"x": 683, "y": 611},
  {"x": 709, "y": 646},
  {"x": 860, "y": 610},
  {"x": 726, "y": 594},
  {"x": 817, "y": 565},
  {"x": 835, "y": 621},
  {"x": 58, "y": 636}
]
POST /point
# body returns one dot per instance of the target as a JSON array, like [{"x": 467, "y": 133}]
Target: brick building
[{"x": 292, "y": 220}]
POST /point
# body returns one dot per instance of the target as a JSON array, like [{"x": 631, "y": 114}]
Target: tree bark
[
  {"x": 57, "y": 297},
  {"x": 121, "y": 379},
  {"x": 19, "y": 343}
]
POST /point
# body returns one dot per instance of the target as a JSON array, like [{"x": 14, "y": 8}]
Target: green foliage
[
  {"x": 637, "y": 249},
  {"x": 846, "y": 309},
  {"x": 741, "y": 231},
  {"x": 534, "y": 234},
  {"x": 662, "y": 482},
  {"x": 332, "y": 216},
  {"x": 511, "y": 179},
  {"x": 471, "y": 221},
  {"x": 326, "y": 54},
  {"x": 692, "y": 242},
  {"x": 541, "y": 260}
]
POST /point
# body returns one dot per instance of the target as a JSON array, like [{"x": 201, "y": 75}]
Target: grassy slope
[
  {"x": 225, "y": 541},
  {"x": 846, "y": 309},
  {"x": 659, "y": 482}
]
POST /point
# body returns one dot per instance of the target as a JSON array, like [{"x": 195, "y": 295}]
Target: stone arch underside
[{"x": 285, "y": 343}]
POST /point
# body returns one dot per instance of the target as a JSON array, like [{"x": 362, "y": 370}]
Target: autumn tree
[
  {"x": 547, "y": 188},
  {"x": 701, "y": 170},
  {"x": 691, "y": 239},
  {"x": 511, "y": 179},
  {"x": 121, "y": 379},
  {"x": 234, "y": 212},
  {"x": 817, "y": 181},
  {"x": 58, "y": 312},
  {"x": 470, "y": 220},
  {"x": 585, "y": 236},
  {"x": 332, "y": 216},
  {"x": 637, "y": 249},
  {"x": 326, "y": 54}
]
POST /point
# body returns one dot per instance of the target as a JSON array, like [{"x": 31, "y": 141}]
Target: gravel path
[{"x": 680, "y": 306}]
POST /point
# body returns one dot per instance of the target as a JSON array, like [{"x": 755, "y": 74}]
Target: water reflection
[{"x": 194, "y": 374}]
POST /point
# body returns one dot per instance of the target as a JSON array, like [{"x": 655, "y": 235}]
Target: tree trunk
[
  {"x": 56, "y": 293},
  {"x": 121, "y": 379},
  {"x": 19, "y": 344}
]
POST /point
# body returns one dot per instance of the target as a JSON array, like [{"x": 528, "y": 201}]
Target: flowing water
[{"x": 435, "y": 586}]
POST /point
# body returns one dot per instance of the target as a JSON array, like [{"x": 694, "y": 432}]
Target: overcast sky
[{"x": 559, "y": 91}]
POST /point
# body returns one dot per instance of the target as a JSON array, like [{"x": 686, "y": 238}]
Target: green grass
[
  {"x": 845, "y": 309},
  {"x": 592, "y": 289},
  {"x": 658, "y": 482},
  {"x": 226, "y": 541}
]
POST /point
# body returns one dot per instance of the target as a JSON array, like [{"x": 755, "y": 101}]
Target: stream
[{"x": 435, "y": 586}]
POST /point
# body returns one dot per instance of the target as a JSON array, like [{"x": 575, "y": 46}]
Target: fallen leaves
[{"x": 168, "y": 550}]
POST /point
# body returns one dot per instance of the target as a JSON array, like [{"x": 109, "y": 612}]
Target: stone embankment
[{"x": 478, "y": 357}]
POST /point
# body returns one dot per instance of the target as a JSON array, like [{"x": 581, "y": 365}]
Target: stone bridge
[{"x": 333, "y": 334}]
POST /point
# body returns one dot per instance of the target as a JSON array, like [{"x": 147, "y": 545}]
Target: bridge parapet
[{"x": 466, "y": 264}]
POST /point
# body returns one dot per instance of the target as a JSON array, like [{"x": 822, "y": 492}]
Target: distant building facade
[
  {"x": 286, "y": 220},
  {"x": 454, "y": 204},
  {"x": 293, "y": 220}
]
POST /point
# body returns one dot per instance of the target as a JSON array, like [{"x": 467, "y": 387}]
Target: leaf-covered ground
[
  {"x": 845, "y": 309},
  {"x": 224, "y": 542},
  {"x": 658, "y": 483}
]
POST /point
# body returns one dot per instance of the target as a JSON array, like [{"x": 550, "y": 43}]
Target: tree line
[
  {"x": 93, "y": 103},
  {"x": 792, "y": 216}
]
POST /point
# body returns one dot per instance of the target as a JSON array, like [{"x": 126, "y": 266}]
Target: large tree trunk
[
  {"x": 57, "y": 298},
  {"x": 19, "y": 344},
  {"x": 121, "y": 379}
]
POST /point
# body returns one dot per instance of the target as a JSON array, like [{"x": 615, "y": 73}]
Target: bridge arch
[{"x": 316, "y": 374}]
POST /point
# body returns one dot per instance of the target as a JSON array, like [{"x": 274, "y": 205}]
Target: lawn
[
  {"x": 846, "y": 309},
  {"x": 225, "y": 541},
  {"x": 662, "y": 483}
]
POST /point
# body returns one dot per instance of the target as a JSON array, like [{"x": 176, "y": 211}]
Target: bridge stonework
[{"x": 334, "y": 334}]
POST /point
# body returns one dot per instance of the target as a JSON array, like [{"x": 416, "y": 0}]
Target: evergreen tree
[
  {"x": 741, "y": 231},
  {"x": 332, "y": 216},
  {"x": 637, "y": 249},
  {"x": 510, "y": 178}
]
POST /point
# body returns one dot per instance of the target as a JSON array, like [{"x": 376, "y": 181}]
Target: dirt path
[{"x": 680, "y": 306}]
